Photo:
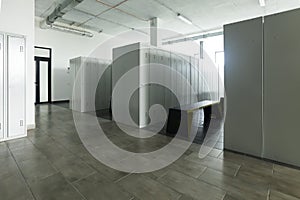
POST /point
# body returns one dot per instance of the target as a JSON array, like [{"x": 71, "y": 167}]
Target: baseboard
[
  {"x": 13, "y": 138},
  {"x": 61, "y": 101},
  {"x": 30, "y": 126},
  {"x": 265, "y": 159}
]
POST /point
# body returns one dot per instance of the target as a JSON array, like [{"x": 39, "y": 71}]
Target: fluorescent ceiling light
[
  {"x": 184, "y": 19},
  {"x": 262, "y": 3}
]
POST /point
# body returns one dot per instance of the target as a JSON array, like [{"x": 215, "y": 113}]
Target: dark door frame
[{"x": 39, "y": 59}]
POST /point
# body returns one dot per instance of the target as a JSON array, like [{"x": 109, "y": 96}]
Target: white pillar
[{"x": 154, "y": 31}]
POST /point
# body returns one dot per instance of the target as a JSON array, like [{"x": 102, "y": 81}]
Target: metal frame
[{"x": 39, "y": 59}]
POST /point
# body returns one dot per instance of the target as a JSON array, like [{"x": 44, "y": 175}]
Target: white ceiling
[{"x": 205, "y": 14}]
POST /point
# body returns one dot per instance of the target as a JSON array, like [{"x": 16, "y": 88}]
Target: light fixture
[
  {"x": 184, "y": 19},
  {"x": 262, "y": 3},
  {"x": 65, "y": 28}
]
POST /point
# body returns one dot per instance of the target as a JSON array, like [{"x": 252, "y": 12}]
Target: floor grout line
[
  {"x": 20, "y": 172},
  {"x": 269, "y": 194},
  {"x": 58, "y": 171},
  {"x": 123, "y": 177},
  {"x": 237, "y": 171},
  {"x": 76, "y": 189},
  {"x": 76, "y": 181}
]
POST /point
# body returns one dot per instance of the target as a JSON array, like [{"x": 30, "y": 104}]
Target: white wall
[
  {"x": 17, "y": 16},
  {"x": 65, "y": 46}
]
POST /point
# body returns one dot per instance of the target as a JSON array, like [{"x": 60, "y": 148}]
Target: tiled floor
[{"x": 51, "y": 163}]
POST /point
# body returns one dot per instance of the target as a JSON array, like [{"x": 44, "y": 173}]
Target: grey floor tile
[
  {"x": 18, "y": 143},
  {"x": 255, "y": 176},
  {"x": 187, "y": 167},
  {"x": 8, "y": 167},
  {"x": 285, "y": 184},
  {"x": 97, "y": 187},
  {"x": 13, "y": 187},
  {"x": 233, "y": 186},
  {"x": 108, "y": 172},
  {"x": 224, "y": 166},
  {"x": 228, "y": 197},
  {"x": 275, "y": 195},
  {"x": 4, "y": 151},
  {"x": 184, "y": 197},
  {"x": 36, "y": 169},
  {"x": 72, "y": 168},
  {"x": 146, "y": 188},
  {"x": 191, "y": 187},
  {"x": 287, "y": 171},
  {"x": 55, "y": 187},
  {"x": 215, "y": 153},
  {"x": 27, "y": 153}
]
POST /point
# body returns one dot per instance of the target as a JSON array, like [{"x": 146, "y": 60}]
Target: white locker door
[
  {"x": 1, "y": 87},
  {"x": 16, "y": 86}
]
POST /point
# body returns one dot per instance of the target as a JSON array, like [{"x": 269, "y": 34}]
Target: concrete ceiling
[{"x": 205, "y": 14}]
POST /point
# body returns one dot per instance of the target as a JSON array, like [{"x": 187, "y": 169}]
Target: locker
[
  {"x": 154, "y": 94},
  {"x": 88, "y": 95},
  {"x": 1, "y": 86},
  {"x": 167, "y": 92},
  {"x": 16, "y": 86}
]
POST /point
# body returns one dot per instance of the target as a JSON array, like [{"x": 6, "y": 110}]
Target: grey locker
[
  {"x": 89, "y": 94},
  {"x": 1, "y": 87},
  {"x": 16, "y": 86},
  {"x": 243, "y": 84},
  {"x": 173, "y": 78},
  {"x": 281, "y": 87},
  {"x": 144, "y": 83},
  {"x": 168, "y": 79}
]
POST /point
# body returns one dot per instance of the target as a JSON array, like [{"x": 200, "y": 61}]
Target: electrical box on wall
[{"x": 12, "y": 86}]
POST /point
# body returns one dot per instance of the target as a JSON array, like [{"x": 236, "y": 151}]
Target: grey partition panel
[
  {"x": 125, "y": 59},
  {"x": 243, "y": 84},
  {"x": 281, "y": 87}
]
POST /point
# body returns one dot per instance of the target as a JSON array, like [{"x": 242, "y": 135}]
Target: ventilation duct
[
  {"x": 58, "y": 12},
  {"x": 62, "y": 9}
]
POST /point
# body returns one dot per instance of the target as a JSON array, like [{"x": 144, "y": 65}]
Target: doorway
[{"x": 43, "y": 75}]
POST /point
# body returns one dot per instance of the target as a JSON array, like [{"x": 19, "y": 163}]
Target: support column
[{"x": 154, "y": 31}]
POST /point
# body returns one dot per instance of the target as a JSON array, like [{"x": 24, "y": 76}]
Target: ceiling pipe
[
  {"x": 62, "y": 9},
  {"x": 58, "y": 12},
  {"x": 123, "y": 11},
  {"x": 197, "y": 37}
]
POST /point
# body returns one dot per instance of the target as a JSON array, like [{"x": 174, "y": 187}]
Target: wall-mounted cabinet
[{"x": 12, "y": 87}]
